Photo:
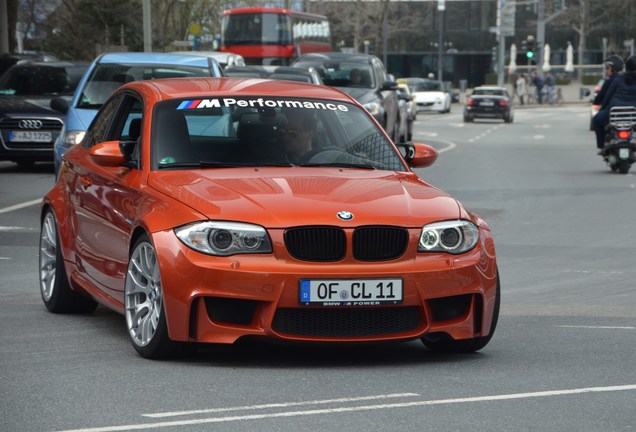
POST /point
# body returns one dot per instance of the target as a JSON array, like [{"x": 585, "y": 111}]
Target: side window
[
  {"x": 127, "y": 126},
  {"x": 97, "y": 132},
  {"x": 380, "y": 73}
]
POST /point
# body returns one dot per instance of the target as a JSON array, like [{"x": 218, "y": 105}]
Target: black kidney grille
[
  {"x": 379, "y": 243},
  {"x": 316, "y": 243},
  {"x": 346, "y": 322}
]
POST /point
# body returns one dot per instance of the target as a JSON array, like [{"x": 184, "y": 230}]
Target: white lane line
[
  {"x": 598, "y": 327},
  {"x": 142, "y": 426},
  {"x": 16, "y": 228},
  {"x": 281, "y": 405},
  {"x": 21, "y": 205}
]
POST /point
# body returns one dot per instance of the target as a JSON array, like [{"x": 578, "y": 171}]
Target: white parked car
[
  {"x": 432, "y": 96},
  {"x": 224, "y": 59}
]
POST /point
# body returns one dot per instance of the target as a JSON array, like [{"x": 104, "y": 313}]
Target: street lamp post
[{"x": 441, "y": 7}]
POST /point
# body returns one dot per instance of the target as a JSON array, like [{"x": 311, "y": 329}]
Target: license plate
[
  {"x": 487, "y": 103},
  {"x": 30, "y": 136},
  {"x": 623, "y": 153},
  {"x": 350, "y": 292}
]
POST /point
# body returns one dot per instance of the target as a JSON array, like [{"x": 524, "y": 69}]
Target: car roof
[
  {"x": 55, "y": 64},
  {"x": 174, "y": 88},
  {"x": 490, "y": 88},
  {"x": 337, "y": 56},
  {"x": 155, "y": 58}
]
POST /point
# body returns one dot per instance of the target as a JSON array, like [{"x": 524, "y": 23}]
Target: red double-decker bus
[{"x": 272, "y": 36}]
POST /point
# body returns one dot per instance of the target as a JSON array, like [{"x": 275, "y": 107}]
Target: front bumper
[{"x": 221, "y": 299}]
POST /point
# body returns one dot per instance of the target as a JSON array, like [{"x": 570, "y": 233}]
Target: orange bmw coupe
[{"x": 207, "y": 210}]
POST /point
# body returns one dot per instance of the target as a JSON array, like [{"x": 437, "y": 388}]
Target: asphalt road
[{"x": 562, "y": 358}]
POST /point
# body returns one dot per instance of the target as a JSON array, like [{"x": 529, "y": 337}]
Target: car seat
[{"x": 173, "y": 138}]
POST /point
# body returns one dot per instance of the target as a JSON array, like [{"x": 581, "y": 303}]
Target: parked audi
[{"x": 28, "y": 126}]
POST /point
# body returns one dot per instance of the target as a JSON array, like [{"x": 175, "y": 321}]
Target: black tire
[
  {"x": 144, "y": 306},
  {"x": 446, "y": 344},
  {"x": 623, "y": 167},
  {"x": 25, "y": 164},
  {"x": 54, "y": 284},
  {"x": 467, "y": 119}
]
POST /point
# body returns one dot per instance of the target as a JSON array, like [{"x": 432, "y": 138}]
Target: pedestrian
[
  {"x": 521, "y": 87},
  {"x": 537, "y": 81},
  {"x": 550, "y": 83}
]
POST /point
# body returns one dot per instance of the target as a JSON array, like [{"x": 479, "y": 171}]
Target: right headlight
[
  {"x": 225, "y": 238},
  {"x": 454, "y": 237},
  {"x": 72, "y": 138}
]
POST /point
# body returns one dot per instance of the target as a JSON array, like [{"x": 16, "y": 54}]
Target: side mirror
[
  {"x": 59, "y": 104},
  {"x": 419, "y": 155},
  {"x": 389, "y": 85},
  {"x": 108, "y": 154}
]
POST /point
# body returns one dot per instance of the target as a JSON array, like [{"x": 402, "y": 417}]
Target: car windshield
[
  {"x": 41, "y": 80},
  {"x": 342, "y": 74},
  {"x": 229, "y": 132},
  {"x": 106, "y": 78},
  {"x": 427, "y": 86}
]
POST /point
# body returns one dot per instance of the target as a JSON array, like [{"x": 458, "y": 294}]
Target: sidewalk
[{"x": 571, "y": 94}]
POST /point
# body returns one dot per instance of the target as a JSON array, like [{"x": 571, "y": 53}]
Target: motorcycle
[{"x": 620, "y": 143}]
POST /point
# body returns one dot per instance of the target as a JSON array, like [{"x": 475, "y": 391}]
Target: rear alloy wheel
[
  {"x": 444, "y": 343},
  {"x": 143, "y": 297},
  {"x": 54, "y": 285}
]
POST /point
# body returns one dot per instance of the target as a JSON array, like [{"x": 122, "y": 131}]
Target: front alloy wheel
[
  {"x": 54, "y": 285},
  {"x": 143, "y": 297}
]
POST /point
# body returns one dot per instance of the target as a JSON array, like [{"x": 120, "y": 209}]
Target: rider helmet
[
  {"x": 615, "y": 62},
  {"x": 630, "y": 64}
]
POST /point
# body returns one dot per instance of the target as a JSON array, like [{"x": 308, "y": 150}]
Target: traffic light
[{"x": 530, "y": 47}]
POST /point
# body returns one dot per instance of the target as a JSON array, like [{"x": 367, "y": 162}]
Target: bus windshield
[{"x": 256, "y": 29}]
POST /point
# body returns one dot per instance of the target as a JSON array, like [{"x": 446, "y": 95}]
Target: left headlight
[
  {"x": 225, "y": 238},
  {"x": 451, "y": 236},
  {"x": 373, "y": 107}
]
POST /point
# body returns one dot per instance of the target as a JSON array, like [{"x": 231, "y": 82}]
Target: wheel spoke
[{"x": 143, "y": 297}]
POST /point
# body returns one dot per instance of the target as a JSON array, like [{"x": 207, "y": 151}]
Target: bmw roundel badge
[{"x": 345, "y": 215}]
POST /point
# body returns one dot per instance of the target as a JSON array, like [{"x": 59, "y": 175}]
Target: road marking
[
  {"x": 16, "y": 228},
  {"x": 550, "y": 393},
  {"x": 486, "y": 132},
  {"x": 598, "y": 327},
  {"x": 281, "y": 405},
  {"x": 21, "y": 205}
]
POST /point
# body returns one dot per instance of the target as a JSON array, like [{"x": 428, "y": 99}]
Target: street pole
[
  {"x": 147, "y": 24},
  {"x": 540, "y": 42},
  {"x": 4, "y": 21},
  {"x": 441, "y": 7}
]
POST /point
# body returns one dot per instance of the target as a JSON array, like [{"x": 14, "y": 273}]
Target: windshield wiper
[
  {"x": 218, "y": 164},
  {"x": 339, "y": 165}
]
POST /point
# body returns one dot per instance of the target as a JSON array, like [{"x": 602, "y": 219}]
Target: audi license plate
[
  {"x": 350, "y": 292},
  {"x": 30, "y": 136}
]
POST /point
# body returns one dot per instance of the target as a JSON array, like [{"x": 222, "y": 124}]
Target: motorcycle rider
[
  {"x": 621, "y": 92},
  {"x": 613, "y": 66}
]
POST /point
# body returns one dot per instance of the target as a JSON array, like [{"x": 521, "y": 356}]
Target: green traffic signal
[{"x": 530, "y": 54}]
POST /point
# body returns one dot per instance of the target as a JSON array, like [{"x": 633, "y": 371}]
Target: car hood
[
  {"x": 276, "y": 198},
  {"x": 363, "y": 96},
  {"x": 28, "y": 106}
]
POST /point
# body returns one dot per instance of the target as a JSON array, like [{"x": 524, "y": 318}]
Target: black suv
[
  {"x": 28, "y": 126},
  {"x": 364, "y": 78}
]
